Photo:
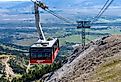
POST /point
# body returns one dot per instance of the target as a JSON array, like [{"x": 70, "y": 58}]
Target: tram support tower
[{"x": 83, "y": 25}]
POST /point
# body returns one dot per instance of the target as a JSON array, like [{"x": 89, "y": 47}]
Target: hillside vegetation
[{"x": 15, "y": 66}]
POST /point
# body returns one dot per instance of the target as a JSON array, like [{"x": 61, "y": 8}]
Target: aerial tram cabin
[{"x": 44, "y": 52}]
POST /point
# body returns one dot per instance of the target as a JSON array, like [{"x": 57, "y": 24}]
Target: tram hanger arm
[{"x": 38, "y": 25}]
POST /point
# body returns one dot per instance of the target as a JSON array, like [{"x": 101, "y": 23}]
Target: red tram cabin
[{"x": 44, "y": 52}]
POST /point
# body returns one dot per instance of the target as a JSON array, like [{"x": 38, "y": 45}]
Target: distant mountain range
[{"x": 27, "y": 6}]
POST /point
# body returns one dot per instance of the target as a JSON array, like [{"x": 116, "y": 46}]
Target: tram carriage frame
[{"x": 44, "y": 53}]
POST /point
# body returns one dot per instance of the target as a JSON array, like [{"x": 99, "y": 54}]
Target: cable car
[{"x": 44, "y": 52}]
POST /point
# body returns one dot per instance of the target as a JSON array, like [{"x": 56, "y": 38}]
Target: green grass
[
  {"x": 18, "y": 76},
  {"x": 77, "y": 39},
  {"x": 72, "y": 38},
  {"x": 7, "y": 56},
  {"x": 109, "y": 71},
  {"x": 10, "y": 56}
]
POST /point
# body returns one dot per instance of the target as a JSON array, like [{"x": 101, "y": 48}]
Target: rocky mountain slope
[{"x": 99, "y": 62}]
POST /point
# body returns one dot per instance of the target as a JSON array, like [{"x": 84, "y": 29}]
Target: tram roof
[{"x": 39, "y": 43}]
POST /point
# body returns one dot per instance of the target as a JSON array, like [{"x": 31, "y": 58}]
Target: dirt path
[{"x": 8, "y": 70}]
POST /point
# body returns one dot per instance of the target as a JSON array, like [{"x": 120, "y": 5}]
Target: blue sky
[{"x": 14, "y": 0}]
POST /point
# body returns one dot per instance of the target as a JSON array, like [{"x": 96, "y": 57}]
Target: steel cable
[
  {"x": 59, "y": 17},
  {"x": 103, "y": 9}
]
